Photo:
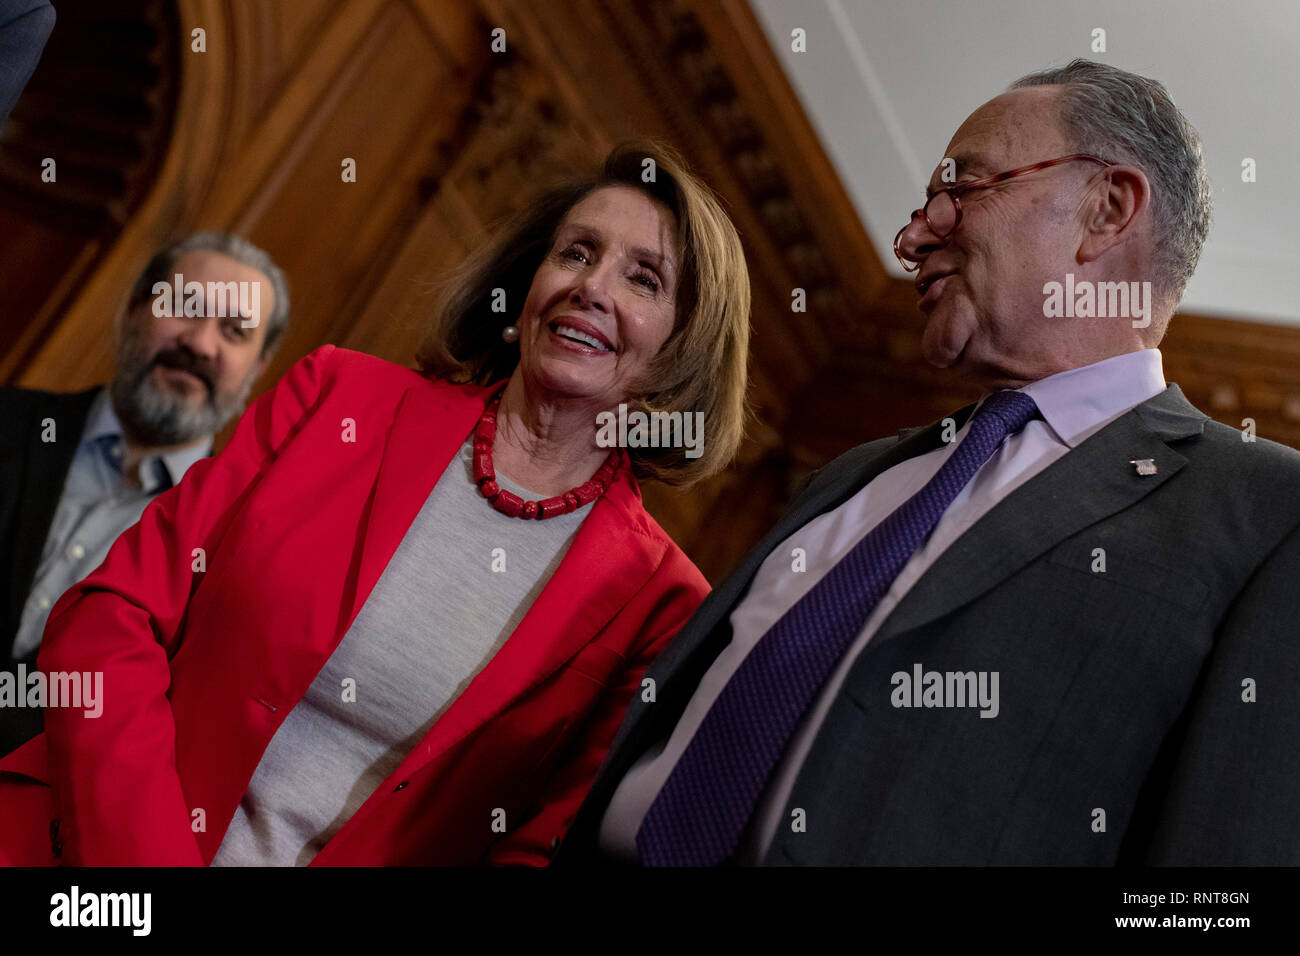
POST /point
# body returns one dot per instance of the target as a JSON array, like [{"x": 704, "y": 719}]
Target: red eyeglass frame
[{"x": 954, "y": 193}]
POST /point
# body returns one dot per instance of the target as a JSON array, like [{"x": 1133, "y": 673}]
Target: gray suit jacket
[{"x": 1163, "y": 692}]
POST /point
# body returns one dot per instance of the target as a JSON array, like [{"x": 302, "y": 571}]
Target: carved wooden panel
[
  {"x": 448, "y": 136},
  {"x": 79, "y": 154}
]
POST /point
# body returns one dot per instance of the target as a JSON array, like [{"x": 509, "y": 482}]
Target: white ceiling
[{"x": 886, "y": 84}]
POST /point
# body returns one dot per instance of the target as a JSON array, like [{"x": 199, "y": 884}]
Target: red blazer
[{"x": 296, "y": 525}]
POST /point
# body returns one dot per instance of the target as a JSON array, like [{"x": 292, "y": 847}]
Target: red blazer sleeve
[
  {"x": 116, "y": 789},
  {"x": 665, "y": 603}
]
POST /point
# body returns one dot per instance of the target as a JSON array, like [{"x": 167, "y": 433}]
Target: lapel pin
[{"x": 1145, "y": 466}]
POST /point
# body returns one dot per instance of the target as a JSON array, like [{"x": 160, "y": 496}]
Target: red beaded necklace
[{"x": 511, "y": 504}]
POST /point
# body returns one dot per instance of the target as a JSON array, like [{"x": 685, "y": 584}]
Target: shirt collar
[
  {"x": 102, "y": 421},
  {"x": 1080, "y": 401}
]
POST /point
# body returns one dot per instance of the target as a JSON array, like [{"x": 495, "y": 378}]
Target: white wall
[{"x": 885, "y": 84}]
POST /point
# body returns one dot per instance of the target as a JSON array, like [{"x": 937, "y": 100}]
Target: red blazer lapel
[
  {"x": 29, "y": 760},
  {"x": 599, "y": 574},
  {"x": 430, "y": 424}
]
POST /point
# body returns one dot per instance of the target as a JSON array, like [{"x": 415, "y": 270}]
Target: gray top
[
  {"x": 94, "y": 508},
  {"x": 459, "y": 583}
]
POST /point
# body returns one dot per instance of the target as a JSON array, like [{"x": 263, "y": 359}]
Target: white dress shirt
[{"x": 1074, "y": 405}]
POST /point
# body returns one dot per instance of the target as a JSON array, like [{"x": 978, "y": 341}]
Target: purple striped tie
[{"x": 699, "y": 815}]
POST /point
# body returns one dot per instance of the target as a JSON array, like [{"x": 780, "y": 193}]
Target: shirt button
[
  {"x": 42, "y": 602},
  {"x": 77, "y": 552}
]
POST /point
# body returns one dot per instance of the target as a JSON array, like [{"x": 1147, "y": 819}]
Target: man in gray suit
[{"x": 1059, "y": 627}]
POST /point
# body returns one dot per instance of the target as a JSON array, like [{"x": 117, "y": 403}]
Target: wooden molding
[{"x": 451, "y": 136}]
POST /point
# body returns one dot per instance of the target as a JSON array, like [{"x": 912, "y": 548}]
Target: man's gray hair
[
  {"x": 1127, "y": 118},
  {"x": 162, "y": 265}
]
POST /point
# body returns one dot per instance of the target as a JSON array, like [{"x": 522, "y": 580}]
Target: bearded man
[{"x": 79, "y": 468}]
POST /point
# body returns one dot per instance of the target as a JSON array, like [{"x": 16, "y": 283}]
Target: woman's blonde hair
[{"x": 702, "y": 365}]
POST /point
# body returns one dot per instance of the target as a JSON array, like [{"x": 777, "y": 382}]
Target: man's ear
[{"x": 1115, "y": 212}]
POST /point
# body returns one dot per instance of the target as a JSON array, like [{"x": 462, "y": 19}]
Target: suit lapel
[
  {"x": 1086, "y": 485},
  {"x": 39, "y": 485},
  {"x": 678, "y": 668},
  {"x": 830, "y": 491},
  {"x": 429, "y": 426},
  {"x": 600, "y": 573}
]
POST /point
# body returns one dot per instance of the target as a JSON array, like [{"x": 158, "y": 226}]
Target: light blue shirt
[{"x": 94, "y": 508}]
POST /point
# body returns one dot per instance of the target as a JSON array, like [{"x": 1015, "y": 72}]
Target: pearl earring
[{"x": 510, "y": 333}]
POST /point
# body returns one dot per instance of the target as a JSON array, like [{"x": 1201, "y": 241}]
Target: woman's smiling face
[{"x": 603, "y": 302}]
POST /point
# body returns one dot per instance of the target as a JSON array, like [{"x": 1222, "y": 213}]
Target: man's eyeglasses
[{"x": 942, "y": 211}]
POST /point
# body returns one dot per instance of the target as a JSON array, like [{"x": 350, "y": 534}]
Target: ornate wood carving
[
  {"x": 100, "y": 105},
  {"x": 449, "y": 136}
]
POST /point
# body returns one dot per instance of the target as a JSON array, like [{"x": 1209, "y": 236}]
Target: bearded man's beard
[{"x": 160, "y": 417}]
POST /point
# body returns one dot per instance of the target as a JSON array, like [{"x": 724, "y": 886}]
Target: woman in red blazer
[{"x": 220, "y": 621}]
